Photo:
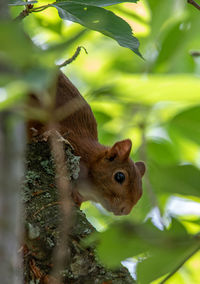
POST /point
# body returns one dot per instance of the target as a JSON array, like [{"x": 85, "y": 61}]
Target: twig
[
  {"x": 64, "y": 189},
  {"x": 70, "y": 60},
  {"x": 180, "y": 265},
  {"x": 24, "y": 13},
  {"x": 192, "y": 2},
  {"x": 41, "y": 8},
  {"x": 30, "y": 9},
  {"x": 195, "y": 53}
]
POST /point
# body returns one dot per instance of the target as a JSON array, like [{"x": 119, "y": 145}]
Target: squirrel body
[{"x": 108, "y": 176}]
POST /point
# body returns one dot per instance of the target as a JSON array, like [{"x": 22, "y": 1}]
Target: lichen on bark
[{"x": 42, "y": 216}]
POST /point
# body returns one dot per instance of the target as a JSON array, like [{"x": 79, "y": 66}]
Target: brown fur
[{"x": 98, "y": 163}]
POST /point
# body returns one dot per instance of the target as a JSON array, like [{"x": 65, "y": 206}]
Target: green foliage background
[{"x": 155, "y": 101}]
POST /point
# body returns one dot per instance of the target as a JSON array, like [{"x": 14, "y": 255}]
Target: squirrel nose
[{"x": 123, "y": 210}]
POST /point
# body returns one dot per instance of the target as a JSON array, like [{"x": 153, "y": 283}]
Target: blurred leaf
[
  {"x": 181, "y": 31},
  {"x": 164, "y": 261},
  {"x": 139, "y": 240},
  {"x": 183, "y": 179},
  {"x": 175, "y": 35},
  {"x": 39, "y": 79},
  {"x": 197, "y": 221},
  {"x": 160, "y": 13},
  {"x": 162, "y": 152},
  {"x": 109, "y": 249},
  {"x": 176, "y": 229},
  {"x": 142, "y": 208},
  {"x": 98, "y": 3},
  {"x": 101, "y": 20},
  {"x": 55, "y": 26},
  {"x": 15, "y": 46},
  {"x": 187, "y": 124},
  {"x": 102, "y": 117},
  {"x": 23, "y": 63},
  {"x": 177, "y": 246},
  {"x": 155, "y": 88},
  {"x": 20, "y": 3},
  {"x": 57, "y": 48},
  {"x": 12, "y": 94}
]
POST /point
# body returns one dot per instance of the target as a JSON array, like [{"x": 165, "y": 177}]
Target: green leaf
[
  {"x": 13, "y": 93},
  {"x": 196, "y": 222},
  {"x": 151, "y": 89},
  {"x": 176, "y": 229},
  {"x": 184, "y": 179},
  {"x": 187, "y": 124},
  {"x": 98, "y": 3},
  {"x": 20, "y": 3},
  {"x": 164, "y": 261},
  {"x": 23, "y": 65},
  {"x": 176, "y": 245},
  {"x": 139, "y": 239},
  {"x": 109, "y": 249},
  {"x": 101, "y": 20},
  {"x": 162, "y": 152},
  {"x": 161, "y": 11},
  {"x": 102, "y": 117},
  {"x": 15, "y": 46}
]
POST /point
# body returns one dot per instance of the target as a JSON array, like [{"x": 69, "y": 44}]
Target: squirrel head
[{"x": 116, "y": 180}]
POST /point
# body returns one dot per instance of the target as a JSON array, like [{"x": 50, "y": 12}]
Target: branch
[
  {"x": 70, "y": 60},
  {"x": 192, "y": 2},
  {"x": 30, "y": 9}
]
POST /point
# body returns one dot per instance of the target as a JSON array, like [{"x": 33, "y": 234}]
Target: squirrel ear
[
  {"x": 141, "y": 166},
  {"x": 121, "y": 149}
]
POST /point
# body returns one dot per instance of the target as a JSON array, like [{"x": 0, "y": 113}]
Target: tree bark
[{"x": 42, "y": 219}]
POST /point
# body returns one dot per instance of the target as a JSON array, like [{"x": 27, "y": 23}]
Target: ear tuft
[
  {"x": 141, "y": 166},
  {"x": 121, "y": 149}
]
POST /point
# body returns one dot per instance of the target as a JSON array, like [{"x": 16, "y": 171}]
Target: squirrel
[{"x": 111, "y": 177}]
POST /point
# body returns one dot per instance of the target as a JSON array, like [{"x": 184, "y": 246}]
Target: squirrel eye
[{"x": 119, "y": 177}]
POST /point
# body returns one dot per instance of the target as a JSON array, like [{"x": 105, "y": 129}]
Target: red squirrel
[{"x": 111, "y": 177}]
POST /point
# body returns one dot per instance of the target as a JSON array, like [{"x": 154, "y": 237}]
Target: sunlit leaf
[
  {"x": 196, "y": 222},
  {"x": 12, "y": 94},
  {"x": 151, "y": 89},
  {"x": 101, "y": 20}
]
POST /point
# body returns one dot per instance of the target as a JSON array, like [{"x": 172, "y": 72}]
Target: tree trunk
[{"x": 42, "y": 216}]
